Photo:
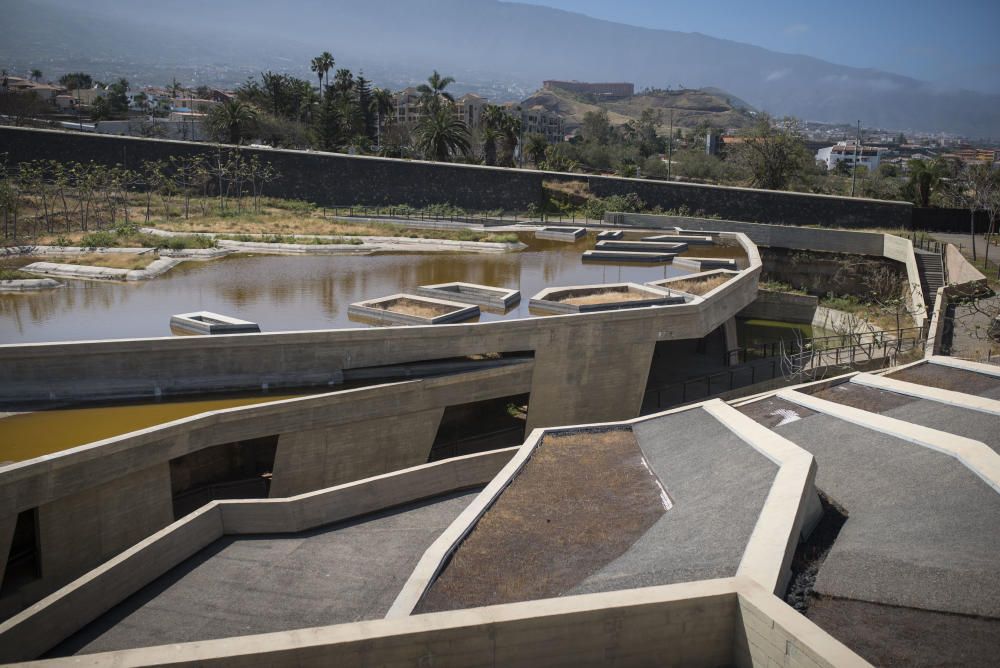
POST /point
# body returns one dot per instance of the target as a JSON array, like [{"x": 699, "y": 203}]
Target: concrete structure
[
  {"x": 703, "y": 263},
  {"x": 782, "y": 306},
  {"x": 610, "y": 235},
  {"x": 680, "y": 239},
  {"x": 206, "y": 322},
  {"x": 643, "y": 246},
  {"x": 623, "y": 256},
  {"x": 484, "y": 296},
  {"x": 556, "y": 233},
  {"x": 402, "y": 309},
  {"x": 557, "y": 300}
]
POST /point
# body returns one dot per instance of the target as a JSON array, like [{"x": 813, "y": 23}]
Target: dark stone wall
[{"x": 334, "y": 179}]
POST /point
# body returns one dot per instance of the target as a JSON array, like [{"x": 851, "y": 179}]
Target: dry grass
[
  {"x": 414, "y": 307},
  {"x": 111, "y": 260},
  {"x": 698, "y": 286},
  {"x": 580, "y": 502},
  {"x": 609, "y": 296}
]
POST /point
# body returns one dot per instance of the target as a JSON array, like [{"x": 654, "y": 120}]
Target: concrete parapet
[
  {"x": 626, "y": 257},
  {"x": 472, "y": 293},
  {"x": 553, "y": 233},
  {"x": 603, "y": 296},
  {"x": 409, "y": 309},
  {"x": 783, "y": 306}
]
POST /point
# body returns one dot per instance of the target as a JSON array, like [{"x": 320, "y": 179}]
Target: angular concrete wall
[{"x": 784, "y": 306}]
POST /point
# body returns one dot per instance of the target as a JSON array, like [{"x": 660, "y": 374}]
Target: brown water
[
  {"x": 283, "y": 293},
  {"x": 30, "y": 435}
]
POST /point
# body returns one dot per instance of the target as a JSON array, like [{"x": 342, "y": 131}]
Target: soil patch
[
  {"x": 869, "y": 399},
  {"x": 414, "y": 307},
  {"x": 112, "y": 260},
  {"x": 579, "y": 503},
  {"x": 609, "y": 296},
  {"x": 698, "y": 286},
  {"x": 947, "y": 378}
]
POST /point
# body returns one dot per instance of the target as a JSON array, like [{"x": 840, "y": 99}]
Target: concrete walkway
[
  {"x": 717, "y": 483},
  {"x": 258, "y": 584}
]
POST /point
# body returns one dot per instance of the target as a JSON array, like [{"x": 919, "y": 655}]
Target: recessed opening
[
  {"x": 23, "y": 563},
  {"x": 479, "y": 426},
  {"x": 240, "y": 470}
]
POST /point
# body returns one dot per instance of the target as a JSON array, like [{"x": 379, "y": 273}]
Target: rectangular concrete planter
[
  {"x": 617, "y": 256},
  {"x": 643, "y": 246},
  {"x": 206, "y": 322},
  {"x": 610, "y": 234},
  {"x": 449, "y": 311},
  {"x": 703, "y": 263},
  {"x": 472, "y": 293},
  {"x": 569, "y": 234},
  {"x": 551, "y": 300},
  {"x": 682, "y": 238}
]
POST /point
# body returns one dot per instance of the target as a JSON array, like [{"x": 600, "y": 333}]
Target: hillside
[{"x": 690, "y": 107}]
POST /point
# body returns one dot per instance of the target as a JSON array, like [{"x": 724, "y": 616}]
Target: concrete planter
[
  {"x": 618, "y": 257},
  {"x": 569, "y": 234},
  {"x": 472, "y": 293},
  {"x": 392, "y": 310},
  {"x": 691, "y": 239},
  {"x": 555, "y": 300},
  {"x": 643, "y": 246},
  {"x": 206, "y": 322},
  {"x": 610, "y": 235}
]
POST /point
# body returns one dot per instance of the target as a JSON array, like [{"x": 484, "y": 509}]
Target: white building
[{"x": 848, "y": 151}]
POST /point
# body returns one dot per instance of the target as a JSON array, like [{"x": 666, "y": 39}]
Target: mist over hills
[{"x": 484, "y": 43}]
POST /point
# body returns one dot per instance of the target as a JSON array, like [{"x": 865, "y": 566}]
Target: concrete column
[
  {"x": 590, "y": 373},
  {"x": 7, "y": 525},
  {"x": 81, "y": 531},
  {"x": 320, "y": 458},
  {"x": 732, "y": 342}
]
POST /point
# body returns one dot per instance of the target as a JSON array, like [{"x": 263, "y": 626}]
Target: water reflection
[{"x": 292, "y": 293}]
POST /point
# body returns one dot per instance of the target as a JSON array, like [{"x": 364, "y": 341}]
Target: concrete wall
[
  {"x": 959, "y": 271},
  {"x": 36, "y": 630},
  {"x": 338, "y": 179},
  {"x": 783, "y": 306},
  {"x": 901, "y": 250},
  {"x": 95, "y": 501}
]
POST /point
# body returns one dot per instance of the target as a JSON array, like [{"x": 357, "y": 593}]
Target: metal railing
[
  {"x": 818, "y": 343},
  {"x": 880, "y": 347}
]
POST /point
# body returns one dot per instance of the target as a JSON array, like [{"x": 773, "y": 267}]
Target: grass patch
[
  {"x": 291, "y": 239},
  {"x": 779, "y": 286},
  {"x": 609, "y": 296},
  {"x": 698, "y": 286},
  {"x": 7, "y": 274},
  {"x": 115, "y": 260},
  {"x": 414, "y": 307}
]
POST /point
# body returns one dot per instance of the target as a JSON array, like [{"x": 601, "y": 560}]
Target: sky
[{"x": 952, "y": 43}]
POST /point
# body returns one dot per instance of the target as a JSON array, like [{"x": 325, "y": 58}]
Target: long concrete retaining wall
[
  {"x": 338, "y": 179},
  {"x": 44, "y": 625},
  {"x": 873, "y": 244},
  {"x": 710, "y": 623}
]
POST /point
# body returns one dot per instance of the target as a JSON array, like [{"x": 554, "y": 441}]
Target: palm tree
[
  {"x": 382, "y": 104},
  {"x": 232, "y": 120},
  {"x": 440, "y": 133},
  {"x": 343, "y": 81},
  {"x": 924, "y": 178},
  {"x": 434, "y": 91},
  {"x": 321, "y": 65},
  {"x": 491, "y": 119},
  {"x": 535, "y": 147},
  {"x": 510, "y": 132},
  {"x": 36, "y": 75}
]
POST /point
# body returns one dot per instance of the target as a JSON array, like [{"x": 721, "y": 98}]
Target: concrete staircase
[{"x": 931, "y": 275}]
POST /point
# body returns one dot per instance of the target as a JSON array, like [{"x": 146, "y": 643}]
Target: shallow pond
[{"x": 284, "y": 293}]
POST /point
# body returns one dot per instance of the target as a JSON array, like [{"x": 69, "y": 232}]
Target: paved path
[
  {"x": 258, "y": 584},
  {"x": 717, "y": 484}
]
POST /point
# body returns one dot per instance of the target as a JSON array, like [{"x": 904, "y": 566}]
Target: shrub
[{"x": 100, "y": 239}]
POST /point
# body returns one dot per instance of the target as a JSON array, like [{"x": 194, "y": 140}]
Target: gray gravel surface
[
  {"x": 243, "y": 585},
  {"x": 718, "y": 485}
]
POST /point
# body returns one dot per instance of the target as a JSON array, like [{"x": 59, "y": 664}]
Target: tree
[
  {"x": 76, "y": 81},
  {"x": 231, "y": 121},
  {"x": 321, "y": 65},
  {"x": 36, "y": 75},
  {"x": 772, "y": 155},
  {"x": 535, "y": 148},
  {"x": 439, "y": 133},
  {"x": 363, "y": 93},
  {"x": 596, "y": 127},
  {"x": 977, "y": 188},
  {"x": 491, "y": 119},
  {"x": 175, "y": 88},
  {"x": 433, "y": 92},
  {"x": 343, "y": 82},
  {"x": 382, "y": 103},
  {"x": 924, "y": 179},
  {"x": 510, "y": 134},
  {"x": 118, "y": 96}
]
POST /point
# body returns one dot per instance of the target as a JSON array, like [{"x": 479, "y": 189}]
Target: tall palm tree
[
  {"x": 433, "y": 91},
  {"x": 510, "y": 133},
  {"x": 382, "y": 104},
  {"x": 321, "y": 65},
  {"x": 36, "y": 75},
  {"x": 535, "y": 147},
  {"x": 491, "y": 119},
  {"x": 343, "y": 81},
  {"x": 232, "y": 120},
  {"x": 440, "y": 133}
]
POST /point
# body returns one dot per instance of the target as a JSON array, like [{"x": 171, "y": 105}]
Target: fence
[{"x": 788, "y": 359}]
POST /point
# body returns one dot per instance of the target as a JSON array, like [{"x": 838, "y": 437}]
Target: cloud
[
  {"x": 796, "y": 29},
  {"x": 777, "y": 74}
]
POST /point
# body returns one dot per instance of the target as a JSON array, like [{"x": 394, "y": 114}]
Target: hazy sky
[{"x": 948, "y": 41}]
